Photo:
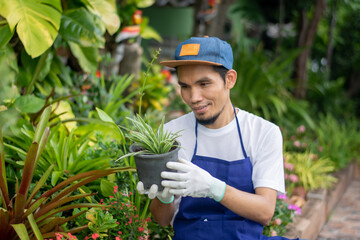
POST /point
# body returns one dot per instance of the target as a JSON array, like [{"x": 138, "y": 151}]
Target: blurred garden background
[{"x": 71, "y": 72}]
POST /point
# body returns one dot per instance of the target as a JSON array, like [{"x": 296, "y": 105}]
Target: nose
[{"x": 196, "y": 95}]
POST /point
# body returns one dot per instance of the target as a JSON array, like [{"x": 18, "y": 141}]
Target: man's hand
[
  {"x": 165, "y": 196},
  {"x": 191, "y": 180}
]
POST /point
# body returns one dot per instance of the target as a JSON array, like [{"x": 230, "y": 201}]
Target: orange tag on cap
[{"x": 190, "y": 49}]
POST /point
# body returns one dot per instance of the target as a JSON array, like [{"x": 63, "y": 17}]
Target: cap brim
[{"x": 176, "y": 63}]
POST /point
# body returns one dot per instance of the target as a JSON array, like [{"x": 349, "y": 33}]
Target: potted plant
[{"x": 152, "y": 149}]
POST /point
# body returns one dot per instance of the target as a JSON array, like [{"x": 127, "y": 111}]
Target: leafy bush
[
  {"x": 313, "y": 172},
  {"x": 340, "y": 140}
]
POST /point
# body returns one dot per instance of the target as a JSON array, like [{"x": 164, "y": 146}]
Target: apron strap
[{"x": 239, "y": 132}]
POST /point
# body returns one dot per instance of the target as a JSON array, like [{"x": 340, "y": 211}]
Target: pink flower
[
  {"x": 282, "y": 196},
  {"x": 320, "y": 149},
  {"x": 301, "y": 129},
  {"x": 288, "y": 166},
  {"x": 273, "y": 233},
  {"x": 297, "y": 143},
  {"x": 296, "y": 208},
  {"x": 115, "y": 189},
  {"x": 86, "y": 238},
  {"x": 278, "y": 221},
  {"x": 293, "y": 178},
  {"x": 95, "y": 236},
  {"x": 118, "y": 238},
  {"x": 72, "y": 237},
  {"x": 58, "y": 236}
]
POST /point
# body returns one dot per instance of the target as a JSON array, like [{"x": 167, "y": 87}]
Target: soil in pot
[{"x": 150, "y": 166}]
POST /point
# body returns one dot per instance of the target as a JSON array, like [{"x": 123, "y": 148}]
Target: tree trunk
[
  {"x": 330, "y": 46},
  {"x": 306, "y": 39}
]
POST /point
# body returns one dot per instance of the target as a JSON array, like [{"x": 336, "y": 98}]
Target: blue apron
[{"x": 204, "y": 218}]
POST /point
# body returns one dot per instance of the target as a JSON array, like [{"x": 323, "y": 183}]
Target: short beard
[{"x": 209, "y": 120}]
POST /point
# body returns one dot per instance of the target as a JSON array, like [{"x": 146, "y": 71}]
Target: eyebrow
[{"x": 204, "y": 79}]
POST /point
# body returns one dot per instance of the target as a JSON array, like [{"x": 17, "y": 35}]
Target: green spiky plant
[
  {"x": 26, "y": 216},
  {"x": 151, "y": 140}
]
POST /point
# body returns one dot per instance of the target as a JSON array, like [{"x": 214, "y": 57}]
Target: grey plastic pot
[{"x": 150, "y": 166}]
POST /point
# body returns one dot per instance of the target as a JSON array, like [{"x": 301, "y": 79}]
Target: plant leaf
[
  {"x": 103, "y": 116},
  {"x": 5, "y": 35},
  {"x": 87, "y": 57},
  {"x": 29, "y": 103},
  {"x": 37, "y": 22},
  {"x": 34, "y": 227},
  {"x": 79, "y": 26},
  {"x": 106, "y": 10},
  {"x": 21, "y": 231}
]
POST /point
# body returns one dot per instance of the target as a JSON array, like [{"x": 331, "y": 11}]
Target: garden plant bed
[{"x": 320, "y": 204}]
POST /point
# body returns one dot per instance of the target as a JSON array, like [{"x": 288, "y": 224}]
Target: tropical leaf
[
  {"x": 79, "y": 26},
  {"x": 106, "y": 10},
  {"x": 37, "y": 22}
]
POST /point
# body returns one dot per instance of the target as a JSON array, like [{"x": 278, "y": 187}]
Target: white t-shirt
[{"x": 262, "y": 142}]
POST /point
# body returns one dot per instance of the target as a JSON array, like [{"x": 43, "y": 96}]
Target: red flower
[
  {"x": 98, "y": 73},
  {"x": 167, "y": 74},
  {"x": 95, "y": 236}
]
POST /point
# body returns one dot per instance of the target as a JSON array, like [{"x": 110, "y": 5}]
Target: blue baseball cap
[{"x": 202, "y": 50}]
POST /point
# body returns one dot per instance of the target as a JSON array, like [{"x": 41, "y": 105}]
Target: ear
[{"x": 231, "y": 77}]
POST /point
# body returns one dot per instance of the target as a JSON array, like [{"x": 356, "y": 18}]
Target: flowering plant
[
  {"x": 117, "y": 220},
  {"x": 283, "y": 215}
]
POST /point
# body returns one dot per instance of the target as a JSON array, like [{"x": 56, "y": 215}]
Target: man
[{"x": 230, "y": 166}]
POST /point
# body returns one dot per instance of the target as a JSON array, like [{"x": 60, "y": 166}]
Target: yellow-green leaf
[
  {"x": 37, "y": 22},
  {"x": 20, "y": 230},
  {"x": 106, "y": 10}
]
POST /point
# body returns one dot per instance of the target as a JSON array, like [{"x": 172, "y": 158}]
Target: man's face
[{"x": 206, "y": 93}]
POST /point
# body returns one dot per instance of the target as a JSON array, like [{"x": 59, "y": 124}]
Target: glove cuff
[
  {"x": 167, "y": 200},
  {"x": 217, "y": 190}
]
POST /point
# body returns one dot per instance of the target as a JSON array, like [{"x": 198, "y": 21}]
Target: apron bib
[{"x": 204, "y": 218}]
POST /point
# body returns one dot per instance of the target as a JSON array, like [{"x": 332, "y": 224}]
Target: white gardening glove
[
  {"x": 191, "y": 180},
  {"x": 165, "y": 196}
]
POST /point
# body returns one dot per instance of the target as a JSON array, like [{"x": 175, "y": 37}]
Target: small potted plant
[{"x": 152, "y": 149}]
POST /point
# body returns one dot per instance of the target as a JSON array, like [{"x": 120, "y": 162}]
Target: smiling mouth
[{"x": 201, "y": 109}]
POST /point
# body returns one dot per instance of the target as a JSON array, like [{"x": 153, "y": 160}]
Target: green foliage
[
  {"x": 262, "y": 85},
  {"x": 153, "y": 141},
  {"x": 339, "y": 140},
  {"x": 313, "y": 172},
  {"x": 43, "y": 213}
]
